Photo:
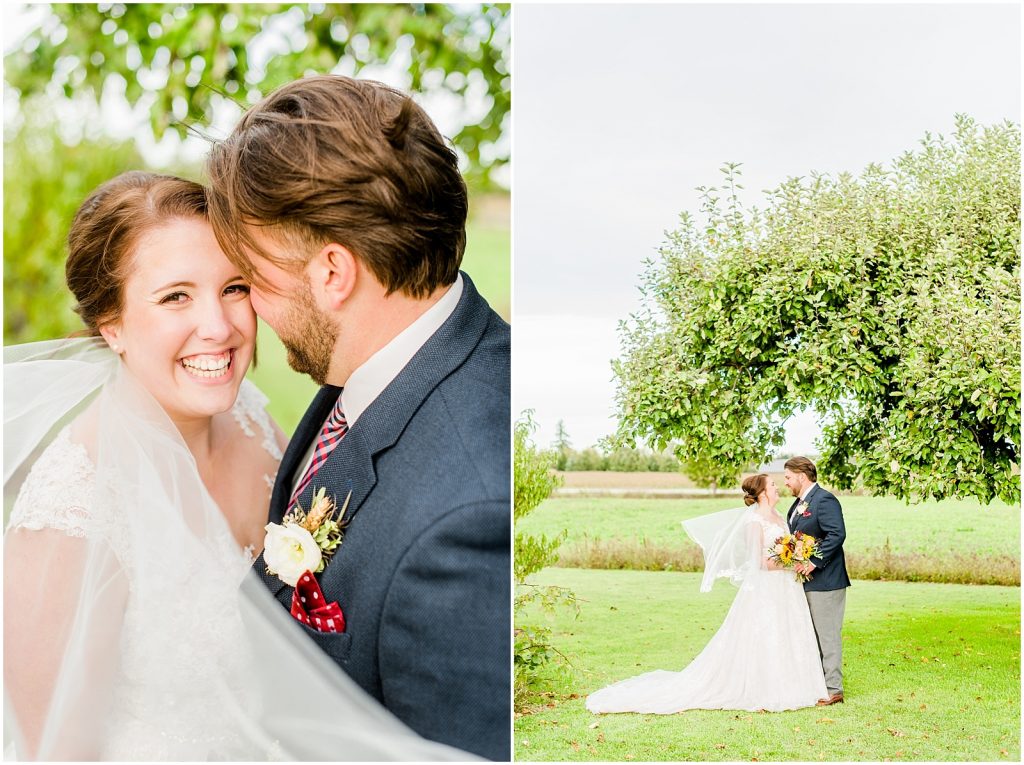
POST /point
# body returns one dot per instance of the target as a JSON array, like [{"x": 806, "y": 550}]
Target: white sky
[{"x": 621, "y": 111}]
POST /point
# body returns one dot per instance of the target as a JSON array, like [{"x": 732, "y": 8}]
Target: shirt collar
[
  {"x": 376, "y": 373},
  {"x": 808, "y": 490}
]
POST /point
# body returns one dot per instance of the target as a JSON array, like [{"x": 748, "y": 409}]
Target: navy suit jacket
[
  {"x": 824, "y": 523},
  {"x": 423, "y": 574}
]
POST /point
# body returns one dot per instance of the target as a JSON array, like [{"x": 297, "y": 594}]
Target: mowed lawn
[
  {"x": 487, "y": 261},
  {"x": 964, "y": 526},
  {"x": 932, "y": 672}
]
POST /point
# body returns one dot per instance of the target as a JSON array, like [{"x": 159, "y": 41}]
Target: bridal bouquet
[{"x": 790, "y": 549}]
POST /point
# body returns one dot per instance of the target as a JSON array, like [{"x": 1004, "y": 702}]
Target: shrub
[{"x": 534, "y": 481}]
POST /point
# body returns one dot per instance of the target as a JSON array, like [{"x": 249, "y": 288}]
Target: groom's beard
[{"x": 311, "y": 340}]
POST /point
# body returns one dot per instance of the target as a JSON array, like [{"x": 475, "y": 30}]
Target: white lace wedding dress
[
  {"x": 165, "y": 643},
  {"x": 764, "y": 656},
  {"x": 140, "y": 632}
]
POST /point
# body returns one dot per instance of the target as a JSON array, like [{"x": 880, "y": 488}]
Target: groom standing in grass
[
  {"x": 339, "y": 199},
  {"x": 817, "y": 512}
]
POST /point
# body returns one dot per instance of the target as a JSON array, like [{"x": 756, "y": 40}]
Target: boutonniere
[
  {"x": 304, "y": 541},
  {"x": 804, "y": 509}
]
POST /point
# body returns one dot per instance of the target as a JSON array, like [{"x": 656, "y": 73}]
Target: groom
[
  {"x": 817, "y": 512},
  {"x": 340, "y": 201}
]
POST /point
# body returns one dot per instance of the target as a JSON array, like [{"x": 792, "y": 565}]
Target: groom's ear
[{"x": 334, "y": 271}]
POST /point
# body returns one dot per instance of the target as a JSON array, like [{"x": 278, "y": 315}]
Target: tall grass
[{"x": 878, "y": 563}]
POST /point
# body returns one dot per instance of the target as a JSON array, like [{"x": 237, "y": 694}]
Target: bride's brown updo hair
[
  {"x": 752, "y": 486},
  {"x": 106, "y": 230}
]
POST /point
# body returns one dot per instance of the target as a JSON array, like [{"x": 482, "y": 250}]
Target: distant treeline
[{"x": 620, "y": 460}]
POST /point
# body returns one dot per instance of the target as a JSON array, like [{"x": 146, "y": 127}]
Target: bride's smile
[{"x": 214, "y": 367}]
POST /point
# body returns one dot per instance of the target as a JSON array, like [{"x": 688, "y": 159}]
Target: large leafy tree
[
  {"x": 185, "y": 59},
  {"x": 888, "y": 302}
]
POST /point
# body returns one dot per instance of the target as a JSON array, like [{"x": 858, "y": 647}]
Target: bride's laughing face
[
  {"x": 771, "y": 492},
  {"x": 187, "y": 329}
]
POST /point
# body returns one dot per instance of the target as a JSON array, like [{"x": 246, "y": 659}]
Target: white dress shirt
[
  {"x": 803, "y": 498},
  {"x": 375, "y": 374}
]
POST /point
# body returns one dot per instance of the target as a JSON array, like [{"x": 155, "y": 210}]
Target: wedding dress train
[{"x": 764, "y": 656}]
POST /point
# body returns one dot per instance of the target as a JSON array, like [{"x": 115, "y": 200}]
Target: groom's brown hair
[
  {"x": 802, "y": 465},
  {"x": 334, "y": 159}
]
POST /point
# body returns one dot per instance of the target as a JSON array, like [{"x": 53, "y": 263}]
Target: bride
[
  {"x": 139, "y": 463},
  {"x": 765, "y": 654}
]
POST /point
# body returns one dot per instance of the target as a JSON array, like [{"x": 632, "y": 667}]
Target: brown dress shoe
[{"x": 836, "y": 698}]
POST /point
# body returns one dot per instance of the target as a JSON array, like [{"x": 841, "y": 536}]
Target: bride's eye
[
  {"x": 237, "y": 289},
  {"x": 174, "y": 297}
]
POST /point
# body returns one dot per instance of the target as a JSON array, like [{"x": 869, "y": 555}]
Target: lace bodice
[
  {"x": 770, "y": 529},
  {"x": 58, "y": 493},
  {"x": 250, "y": 410},
  {"x": 180, "y": 622}
]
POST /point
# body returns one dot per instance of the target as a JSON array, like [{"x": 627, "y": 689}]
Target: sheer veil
[
  {"x": 204, "y": 650},
  {"x": 732, "y": 548}
]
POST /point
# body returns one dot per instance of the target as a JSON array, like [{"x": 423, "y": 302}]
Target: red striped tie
[{"x": 333, "y": 431}]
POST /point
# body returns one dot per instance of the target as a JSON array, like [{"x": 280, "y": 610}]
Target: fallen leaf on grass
[
  {"x": 826, "y": 720},
  {"x": 600, "y": 737},
  {"x": 719, "y": 746},
  {"x": 895, "y": 733},
  {"x": 575, "y": 745},
  {"x": 796, "y": 728},
  {"x": 924, "y": 706},
  {"x": 593, "y": 725}
]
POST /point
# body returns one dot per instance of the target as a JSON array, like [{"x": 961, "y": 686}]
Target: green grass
[
  {"x": 931, "y": 527},
  {"x": 487, "y": 261},
  {"x": 932, "y": 672}
]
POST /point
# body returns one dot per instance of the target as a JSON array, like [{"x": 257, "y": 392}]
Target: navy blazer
[
  {"x": 423, "y": 574},
  {"x": 824, "y": 523}
]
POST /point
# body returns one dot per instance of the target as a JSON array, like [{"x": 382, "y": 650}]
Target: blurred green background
[{"x": 93, "y": 90}]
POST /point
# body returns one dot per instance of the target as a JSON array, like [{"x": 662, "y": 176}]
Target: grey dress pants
[{"x": 827, "y": 609}]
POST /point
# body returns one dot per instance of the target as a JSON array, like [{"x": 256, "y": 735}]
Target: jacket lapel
[{"x": 790, "y": 518}]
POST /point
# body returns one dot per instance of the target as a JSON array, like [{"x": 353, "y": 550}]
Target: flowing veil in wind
[
  {"x": 729, "y": 549},
  {"x": 134, "y": 626}
]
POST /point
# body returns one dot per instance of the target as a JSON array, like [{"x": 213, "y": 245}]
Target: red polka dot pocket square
[{"x": 310, "y": 608}]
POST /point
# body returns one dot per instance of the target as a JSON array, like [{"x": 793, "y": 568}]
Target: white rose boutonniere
[
  {"x": 289, "y": 551},
  {"x": 303, "y": 542}
]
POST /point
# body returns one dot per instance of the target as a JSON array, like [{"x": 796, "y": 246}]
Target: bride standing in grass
[{"x": 765, "y": 654}]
